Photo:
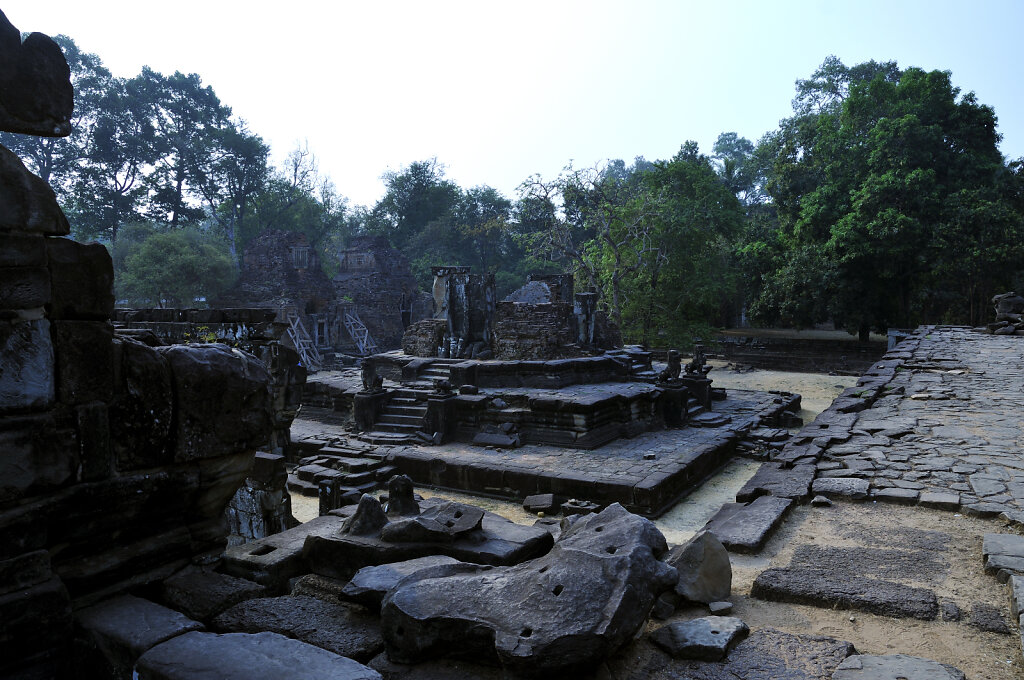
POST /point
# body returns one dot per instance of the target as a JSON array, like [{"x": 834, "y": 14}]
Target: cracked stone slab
[
  {"x": 821, "y": 587},
  {"x": 745, "y": 528},
  {"x": 894, "y": 667}
]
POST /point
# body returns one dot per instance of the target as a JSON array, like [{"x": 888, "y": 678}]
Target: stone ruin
[
  {"x": 543, "y": 320},
  {"x": 1009, "y": 308},
  {"x": 366, "y": 307}
]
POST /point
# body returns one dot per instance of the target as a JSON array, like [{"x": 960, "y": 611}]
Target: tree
[
  {"x": 415, "y": 197},
  {"x": 174, "y": 269}
]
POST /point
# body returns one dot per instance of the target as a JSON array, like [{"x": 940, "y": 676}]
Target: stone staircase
[
  {"x": 400, "y": 419},
  {"x": 339, "y": 469}
]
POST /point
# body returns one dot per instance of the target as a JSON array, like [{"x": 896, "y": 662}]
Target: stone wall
[
  {"x": 116, "y": 459},
  {"x": 525, "y": 331}
]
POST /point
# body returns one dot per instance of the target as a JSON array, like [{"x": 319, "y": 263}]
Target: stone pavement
[
  {"x": 946, "y": 429},
  {"x": 646, "y": 473}
]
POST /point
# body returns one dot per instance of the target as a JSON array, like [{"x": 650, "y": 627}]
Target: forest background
[{"x": 882, "y": 201}]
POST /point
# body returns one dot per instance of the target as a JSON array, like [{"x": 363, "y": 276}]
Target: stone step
[
  {"x": 353, "y": 465},
  {"x": 399, "y": 419},
  {"x": 409, "y": 430},
  {"x": 380, "y": 438},
  {"x": 418, "y": 411},
  {"x": 301, "y": 486}
]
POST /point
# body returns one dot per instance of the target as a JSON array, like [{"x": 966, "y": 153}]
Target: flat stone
[
  {"x": 123, "y": 628},
  {"x": 821, "y": 587},
  {"x": 774, "y": 480},
  {"x": 202, "y": 594},
  {"x": 894, "y": 667},
  {"x": 1016, "y": 596},
  {"x": 897, "y": 495},
  {"x": 940, "y": 500},
  {"x": 841, "y": 487},
  {"x": 347, "y": 630},
  {"x": 234, "y": 656},
  {"x": 705, "y": 573},
  {"x": 821, "y": 502},
  {"x": 544, "y": 502},
  {"x": 370, "y": 584},
  {"x": 746, "y": 528},
  {"x": 1002, "y": 544},
  {"x": 708, "y": 639},
  {"x": 720, "y": 608}
]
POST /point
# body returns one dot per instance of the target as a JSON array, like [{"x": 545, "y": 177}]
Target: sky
[{"x": 499, "y": 91}]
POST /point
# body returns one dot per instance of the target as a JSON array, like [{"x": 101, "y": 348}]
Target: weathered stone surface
[
  {"x": 774, "y": 480},
  {"x": 435, "y": 669},
  {"x": 35, "y": 456},
  {"x": 37, "y": 630},
  {"x": 201, "y": 594},
  {"x": 123, "y": 628},
  {"x": 444, "y": 522},
  {"x": 1004, "y": 566},
  {"x": 26, "y": 365},
  {"x": 401, "y": 497},
  {"x": 543, "y": 502},
  {"x": 141, "y": 416},
  {"x": 1016, "y": 596},
  {"x": 24, "y": 287},
  {"x": 897, "y": 495},
  {"x": 560, "y": 613},
  {"x": 940, "y": 500},
  {"x": 82, "y": 280},
  {"x": 36, "y": 97},
  {"x": 347, "y": 630},
  {"x": 720, "y": 608},
  {"x": 841, "y": 487},
  {"x": 23, "y": 250},
  {"x": 370, "y": 584},
  {"x": 766, "y": 654},
  {"x": 745, "y": 528},
  {"x": 367, "y": 520},
  {"x": 822, "y": 587},
  {"x": 85, "y": 357},
  {"x": 708, "y": 639},
  {"x": 705, "y": 574},
  {"x": 499, "y": 542},
  {"x": 27, "y": 203},
  {"x": 234, "y": 656},
  {"x": 222, "y": 400},
  {"x": 894, "y": 667},
  {"x": 1002, "y": 544},
  {"x": 988, "y": 618}
]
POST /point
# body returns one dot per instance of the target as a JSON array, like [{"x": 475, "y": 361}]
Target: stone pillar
[{"x": 585, "y": 310}]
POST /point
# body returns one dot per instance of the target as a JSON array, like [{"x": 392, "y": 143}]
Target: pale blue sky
[{"x": 499, "y": 91}]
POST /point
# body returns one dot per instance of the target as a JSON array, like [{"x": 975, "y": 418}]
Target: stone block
[
  {"x": 95, "y": 450},
  {"x": 27, "y": 203},
  {"x": 895, "y": 666},
  {"x": 26, "y": 365},
  {"x": 202, "y": 594},
  {"x": 85, "y": 358},
  {"x": 746, "y": 528},
  {"x": 708, "y": 638},
  {"x": 222, "y": 400},
  {"x": 24, "y": 287},
  {"x": 122, "y": 629},
  {"x": 82, "y": 280},
  {"x": 940, "y": 500},
  {"x": 370, "y": 584},
  {"x": 35, "y": 455},
  {"x": 705, "y": 573},
  {"x": 141, "y": 416},
  {"x": 234, "y": 656},
  {"x": 37, "y": 628},
  {"x": 23, "y": 250},
  {"x": 345, "y": 629},
  {"x": 852, "y": 488}
]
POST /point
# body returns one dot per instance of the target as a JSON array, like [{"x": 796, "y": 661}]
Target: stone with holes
[
  {"x": 561, "y": 613},
  {"x": 708, "y": 638}
]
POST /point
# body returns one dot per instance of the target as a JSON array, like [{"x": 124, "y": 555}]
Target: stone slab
[
  {"x": 345, "y": 629},
  {"x": 123, "y": 628},
  {"x": 773, "y": 479},
  {"x": 852, "y": 488},
  {"x": 202, "y": 594},
  {"x": 822, "y": 587},
  {"x": 894, "y": 667},
  {"x": 745, "y": 528},
  {"x": 241, "y": 656},
  {"x": 708, "y": 638},
  {"x": 370, "y": 584}
]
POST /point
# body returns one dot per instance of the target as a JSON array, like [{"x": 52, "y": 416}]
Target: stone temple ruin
[
  {"x": 129, "y": 451},
  {"x": 367, "y": 305}
]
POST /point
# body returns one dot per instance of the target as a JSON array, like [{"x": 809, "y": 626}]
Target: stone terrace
[{"x": 646, "y": 473}]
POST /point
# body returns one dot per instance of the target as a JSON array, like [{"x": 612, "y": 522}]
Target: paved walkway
[{"x": 949, "y": 421}]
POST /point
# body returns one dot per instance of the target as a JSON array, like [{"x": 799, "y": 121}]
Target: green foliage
[{"x": 173, "y": 269}]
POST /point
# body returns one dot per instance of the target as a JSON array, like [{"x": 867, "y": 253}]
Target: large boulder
[
  {"x": 705, "y": 573},
  {"x": 561, "y": 613}
]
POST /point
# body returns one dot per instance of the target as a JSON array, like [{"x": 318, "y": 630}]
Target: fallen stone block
[
  {"x": 821, "y": 587},
  {"x": 561, "y": 613},
  {"x": 342, "y": 628},
  {"x": 544, "y": 502},
  {"x": 370, "y": 584},
  {"x": 120, "y": 630},
  {"x": 707, "y": 639},
  {"x": 940, "y": 500},
  {"x": 234, "y": 656},
  {"x": 894, "y": 667},
  {"x": 745, "y": 528},
  {"x": 705, "y": 574},
  {"x": 897, "y": 495}
]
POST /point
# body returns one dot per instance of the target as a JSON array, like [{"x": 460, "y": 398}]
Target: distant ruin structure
[{"x": 365, "y": 308}]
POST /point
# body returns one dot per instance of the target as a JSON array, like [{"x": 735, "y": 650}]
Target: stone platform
[{"x": 646, "y": 473}]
